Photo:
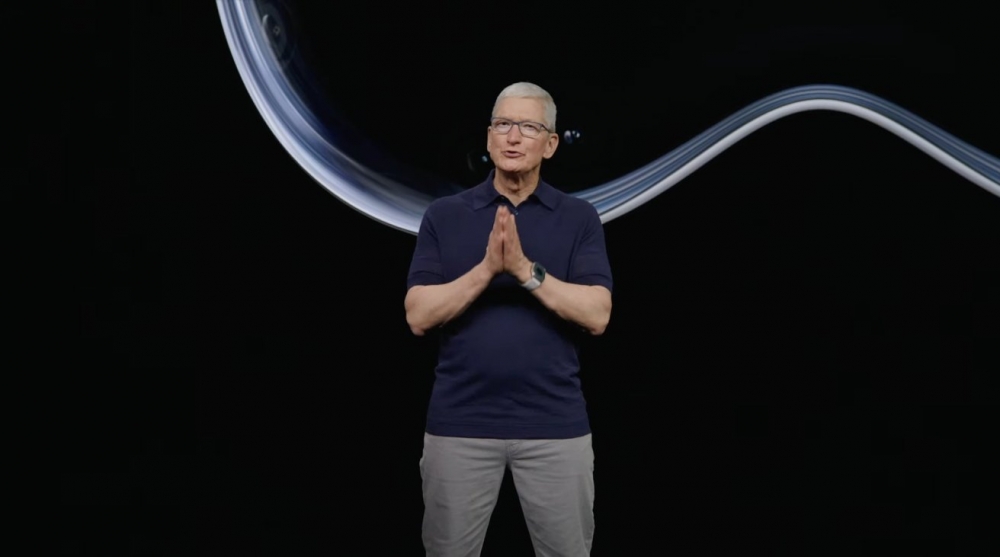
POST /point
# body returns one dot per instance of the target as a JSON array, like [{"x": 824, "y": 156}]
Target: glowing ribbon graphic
[{"x": 401, "y": 206}]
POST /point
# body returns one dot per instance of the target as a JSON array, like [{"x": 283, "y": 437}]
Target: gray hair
[{"x": 525, "y": 90}]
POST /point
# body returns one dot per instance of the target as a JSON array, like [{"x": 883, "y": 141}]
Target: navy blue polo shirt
[{"x": 508, "y": 366}]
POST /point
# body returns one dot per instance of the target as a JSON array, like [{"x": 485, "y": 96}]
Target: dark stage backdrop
[{"x": 803, "y": 347}]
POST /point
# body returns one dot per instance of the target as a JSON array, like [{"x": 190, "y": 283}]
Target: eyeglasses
[{"x": 503, "y": 126}]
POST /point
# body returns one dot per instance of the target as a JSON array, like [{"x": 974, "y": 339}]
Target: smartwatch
[{"x": 537, "y": 276}]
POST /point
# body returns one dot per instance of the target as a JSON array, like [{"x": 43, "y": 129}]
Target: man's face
[{"x": 513, "y": 151}]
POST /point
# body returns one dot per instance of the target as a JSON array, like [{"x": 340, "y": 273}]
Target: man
[{"x": 511, "y": 274}]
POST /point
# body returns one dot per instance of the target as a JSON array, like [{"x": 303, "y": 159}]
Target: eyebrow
[{"x": 540, "y": 123}]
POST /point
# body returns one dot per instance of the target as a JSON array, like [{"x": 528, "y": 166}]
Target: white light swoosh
[{"x": 400, "y": 206}]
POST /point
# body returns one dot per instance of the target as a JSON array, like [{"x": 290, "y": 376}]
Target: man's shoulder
[
  {"x": 452, "y": 202},
  {"x": 573, "y": 203}
]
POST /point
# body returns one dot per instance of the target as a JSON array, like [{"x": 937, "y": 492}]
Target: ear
[{"x": 551, "y": 145}]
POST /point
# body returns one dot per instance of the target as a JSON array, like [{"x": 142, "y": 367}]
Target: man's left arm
[
  {"x": 585, "y": 296},
  {"x": 589, "y": 306}
]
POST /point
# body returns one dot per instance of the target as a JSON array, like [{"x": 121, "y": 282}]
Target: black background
[{"x": 803, "y": 347}]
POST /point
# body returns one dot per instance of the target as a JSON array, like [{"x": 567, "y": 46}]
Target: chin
[{"x": 513, "y": 167}]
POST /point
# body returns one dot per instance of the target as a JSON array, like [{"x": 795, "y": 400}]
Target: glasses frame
[{"x": 513, "y": 123}]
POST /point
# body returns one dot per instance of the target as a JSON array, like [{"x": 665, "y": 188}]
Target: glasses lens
[{"x": 530, "y": 129}]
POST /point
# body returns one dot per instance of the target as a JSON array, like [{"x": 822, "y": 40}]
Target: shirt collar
[{"x": 486, "y": 194}]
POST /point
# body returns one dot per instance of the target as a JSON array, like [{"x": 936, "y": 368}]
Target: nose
[{"x": 511, "y": 136}]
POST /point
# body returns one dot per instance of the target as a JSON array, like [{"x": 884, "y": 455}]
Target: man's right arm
[
  {"x": 432, "y": 305},
  {"x": 429, "y": 306}
]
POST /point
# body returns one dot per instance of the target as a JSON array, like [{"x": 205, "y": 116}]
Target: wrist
[
  {"x": 536, "y": 274},
  {"x": 524, "y": 271},
  {"x": 484, "y": 273}
]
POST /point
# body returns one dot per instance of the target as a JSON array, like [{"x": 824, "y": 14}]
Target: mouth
[{"x": 512, "y": 154}]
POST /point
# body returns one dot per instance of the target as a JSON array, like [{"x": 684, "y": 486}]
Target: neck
[{"x": 515, "y": 186}]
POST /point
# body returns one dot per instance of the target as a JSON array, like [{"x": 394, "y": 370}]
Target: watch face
[{"x": 537, "y": 271}]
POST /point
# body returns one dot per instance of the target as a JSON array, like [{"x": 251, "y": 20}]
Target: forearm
[
  {"x": 434, "y": 305},
  {"x": 587, "y": 306}
]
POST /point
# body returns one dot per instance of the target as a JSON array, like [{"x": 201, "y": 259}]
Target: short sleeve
[
  {"x": 590, "y": 264},
  {"x": 425, "y": 267}
]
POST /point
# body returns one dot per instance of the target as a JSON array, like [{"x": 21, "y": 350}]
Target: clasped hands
[{"x": 503, "y": 250}]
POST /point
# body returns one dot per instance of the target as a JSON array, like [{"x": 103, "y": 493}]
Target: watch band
[
  {"x": 531, "y": 284},
  {"x": 537, "y": 276}
]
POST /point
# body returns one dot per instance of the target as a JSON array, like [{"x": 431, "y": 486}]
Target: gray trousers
[{"x": 461, "y": 479}]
